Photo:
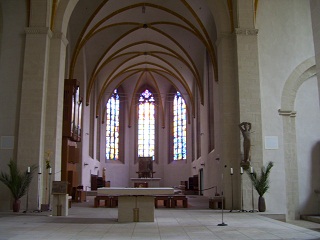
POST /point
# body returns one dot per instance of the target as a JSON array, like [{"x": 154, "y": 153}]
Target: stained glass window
[
  {"x": 112, "y": 127},
  {"x": 179, "y": 128},
  {"x": 146, "y": 124}
]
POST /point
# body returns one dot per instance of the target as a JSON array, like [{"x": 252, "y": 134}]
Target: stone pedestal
[
  {"x": 136, "y": 209},
  {"x": 60, "y": 206}
]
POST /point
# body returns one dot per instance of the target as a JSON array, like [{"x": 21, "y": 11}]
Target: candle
[
  {"x": 241, "y": 170},
  {"x": 28, "y": 171},
  {"x": 50, "y": 170},
  {"x": 251, "y": 169},
  {"x": 231, "y": 171}
]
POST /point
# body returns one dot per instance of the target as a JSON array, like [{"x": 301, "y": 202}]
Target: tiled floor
[{"x": 86, "y": 222}]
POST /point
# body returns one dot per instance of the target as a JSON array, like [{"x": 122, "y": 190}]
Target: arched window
[
  {"x": 112, "y": 127},
  {"x": 179, "y": 128},
  {"x": 146, "y": 124}
]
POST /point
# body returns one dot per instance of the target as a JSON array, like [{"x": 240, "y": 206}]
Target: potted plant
[
  {"x": 17, "y": 182},
  {"x": 261, "y": 184}
]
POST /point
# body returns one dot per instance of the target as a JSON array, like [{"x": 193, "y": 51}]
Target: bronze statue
[{"x": 245, "y": 128}]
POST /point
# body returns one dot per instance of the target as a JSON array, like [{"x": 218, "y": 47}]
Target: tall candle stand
[
  {"x": 50, "y": 173},
  {"x": 222, "y": 205},
  {"x": 38, "y": 193},
  {"x": 27, "y": 202},
  {"x": 231, "y": 174}
]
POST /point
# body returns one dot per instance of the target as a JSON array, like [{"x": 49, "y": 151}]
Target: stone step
[{"x": 310, "y": 218}]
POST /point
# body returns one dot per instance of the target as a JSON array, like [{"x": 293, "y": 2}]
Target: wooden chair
[
  {"x": 176, "y": 198},
  {"x": 165, "y": 198}
]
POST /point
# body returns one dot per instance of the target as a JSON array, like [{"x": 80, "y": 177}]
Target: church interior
[{"x": 193, "y": 95}]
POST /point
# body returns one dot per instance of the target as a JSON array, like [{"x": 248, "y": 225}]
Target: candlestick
[
  {"x": 231, "y": 171},
  {"x": 241, "y": 170}
]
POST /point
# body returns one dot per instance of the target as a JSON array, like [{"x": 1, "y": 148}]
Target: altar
[
  {"x": 135, "y": 204},
  {"x": 147, "y": 182}
]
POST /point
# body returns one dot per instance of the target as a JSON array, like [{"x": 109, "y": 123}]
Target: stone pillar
[
  {"x": 54, "y": 114},
  {"x": 33, "y": 104},
  {"x": 54, "y": 106},
  {"x": 249, "y": 86},
  {"x": 229, "y": 118},
  {"x": 32, "y": 126},
  {"x": 291, "y": 164}
]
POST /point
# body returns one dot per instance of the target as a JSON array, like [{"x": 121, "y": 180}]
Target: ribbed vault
[{"x": 134, "y": 43}]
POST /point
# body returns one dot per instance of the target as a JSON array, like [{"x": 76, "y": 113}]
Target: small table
[{"x": 135, "y": 204}]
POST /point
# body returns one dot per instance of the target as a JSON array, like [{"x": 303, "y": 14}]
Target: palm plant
[
  {"x": 261, "y": 183},
  {"x": 17, "y": 182}
]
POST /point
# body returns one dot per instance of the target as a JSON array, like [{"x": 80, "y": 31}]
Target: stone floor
[{"x": 197, "y": 222}]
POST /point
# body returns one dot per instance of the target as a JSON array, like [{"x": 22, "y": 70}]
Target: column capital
[
  {"x": 60, "y": 36},
  {"x": 246, "y": 31},
  {"x": 38, "y": 30},
  {"x": 288, "y": 113}
]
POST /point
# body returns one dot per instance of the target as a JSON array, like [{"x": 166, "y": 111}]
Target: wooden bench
[
  {"x": 176, "y": 198},
  {"x": 113, "y": 201},
  {"x": 165, "y": 198},
  {"x": 106, "y": 200},
  {"x": 109, "y": 201},
  {"x": 216, "y": 202}
]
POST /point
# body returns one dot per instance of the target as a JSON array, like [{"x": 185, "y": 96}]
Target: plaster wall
[
  {"x": 308, "y": 145},
  {"x": 290, "y": 22},
  {"x": 315, "y": 16}
]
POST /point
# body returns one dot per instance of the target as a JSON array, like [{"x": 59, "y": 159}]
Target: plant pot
[
  {"x": 16, "y": 205},
  {"x": 261, "y": 204}
]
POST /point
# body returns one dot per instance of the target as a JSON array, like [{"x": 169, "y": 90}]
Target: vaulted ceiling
[{"x": 132, "y": 43}]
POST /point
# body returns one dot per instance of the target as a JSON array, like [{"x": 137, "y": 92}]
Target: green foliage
[
  {"x": 17, "y": 181},
  {"x": 261, "y": 183}
]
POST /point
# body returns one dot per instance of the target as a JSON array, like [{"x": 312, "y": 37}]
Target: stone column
[
  {"x": 33, "y": 106},
  {"x": 291, "y": 164},
  {"x": 229, "y": 118},
  {"x": 249, "y": 85},
  {"x": 54, "y": 114},
  {"x": 32, "y": 126}
]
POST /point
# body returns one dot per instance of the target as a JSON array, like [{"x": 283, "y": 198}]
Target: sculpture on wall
[{"x": 245, "y": 128}]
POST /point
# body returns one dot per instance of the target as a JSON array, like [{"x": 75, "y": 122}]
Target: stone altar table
[{"x": 135, "y": 204}]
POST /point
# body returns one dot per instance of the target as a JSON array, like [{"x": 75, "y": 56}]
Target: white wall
[
  {"x": 285, "y": 40},
  {"x": 308, "y": 145}
]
